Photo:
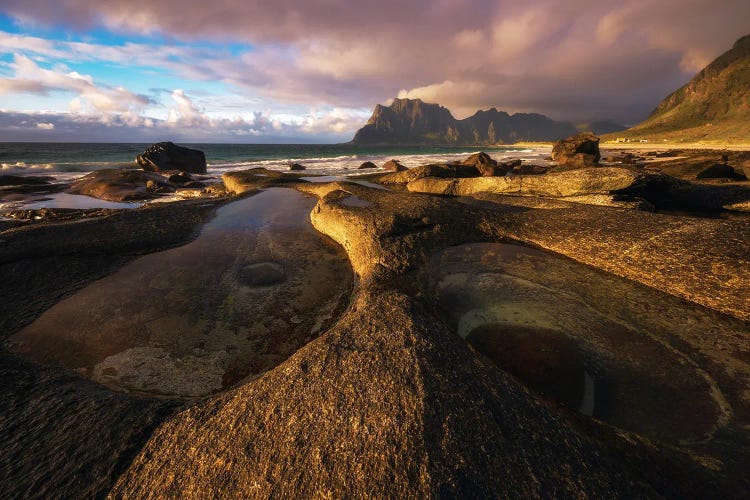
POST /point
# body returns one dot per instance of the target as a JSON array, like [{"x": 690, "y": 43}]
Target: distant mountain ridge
[
  {"x": 414, "y": 122},
  {"x": 714, "y": 105}
]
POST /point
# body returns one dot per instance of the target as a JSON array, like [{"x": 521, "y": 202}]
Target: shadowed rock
[
  {"x": 578, "y": 151},
  {"x": 119, "y": 185},
  {"x": 169, "y": 156},
  {"x": 366, "y": 165},
  {"x": 721, "y": 171}
]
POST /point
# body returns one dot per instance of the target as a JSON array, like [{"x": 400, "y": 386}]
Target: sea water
[{"x": 66, "y": 161}]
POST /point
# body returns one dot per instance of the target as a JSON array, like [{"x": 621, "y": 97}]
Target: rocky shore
[{"x": 573, "y": 328}]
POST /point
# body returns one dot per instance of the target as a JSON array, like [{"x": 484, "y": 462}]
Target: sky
[{"x": 310, "y": 71}]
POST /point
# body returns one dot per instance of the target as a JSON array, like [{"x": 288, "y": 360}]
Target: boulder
[
  {"x": 721, "y": 171},
  {"x": 578, "y": 151},
  {"x": 296, "y": 167},
  {"x": 394, "y": 166},
  {"x": 168, "y": 156},
  {"x": 367, "y": 164},
  {"x": 478, "y": 158},
  {"x": 120, "y": 185}
]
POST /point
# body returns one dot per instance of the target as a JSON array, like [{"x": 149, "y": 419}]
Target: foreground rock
[
  {"x": 578, "y": 151},
  {"x": 556, "y": 184},
  {"x": 61, "y": 435},
  {"x": 256, "y": 178},
  {"x": 392, "y": 401},
  {"x": 165, "y": 156},
  {"x": 400, "y": 405},
  {"x": 120, "y": 185}
]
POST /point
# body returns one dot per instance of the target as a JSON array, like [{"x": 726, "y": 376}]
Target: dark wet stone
[
  {"x": 169, "y": 156},
  {"x": 262, "y": 274}
]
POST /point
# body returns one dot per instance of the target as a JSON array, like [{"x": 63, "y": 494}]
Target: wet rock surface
[
  {"x": 462, "y": 367},
  {"x": 194, "y": 320},
  {"x": 552, "y": 322},
  {"x": 401, "y": 404}
]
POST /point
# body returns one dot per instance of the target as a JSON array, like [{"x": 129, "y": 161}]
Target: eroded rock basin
[
  {"x": 257, "y": 284},
  {"x": 584, "y": 339}
]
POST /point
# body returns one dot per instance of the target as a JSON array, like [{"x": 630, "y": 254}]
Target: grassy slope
[{"x": 713, "y": 106}]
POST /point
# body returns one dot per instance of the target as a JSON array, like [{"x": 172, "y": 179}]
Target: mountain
[
  {"x": 601, "y": 127},
  {"x": 714, "y": 105},
  {"x": 413, "y": 122}
]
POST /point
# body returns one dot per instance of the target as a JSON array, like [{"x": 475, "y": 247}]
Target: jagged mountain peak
[{"x": 413, "y": 121}]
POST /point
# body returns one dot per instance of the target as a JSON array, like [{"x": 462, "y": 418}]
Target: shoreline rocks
[
  {"x": 120, "y": 185},
  {"x": 578, "y": 151},
  {"x": 164, "y": 156},
  {"x": 394, "y": 166}
]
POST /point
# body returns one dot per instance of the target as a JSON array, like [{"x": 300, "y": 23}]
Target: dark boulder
[
  {"x": 578, "y": 151},
  {"x": 367, "y": 164},
  {"x": 296, "y": 167},
  {"x": 721, "y": 171},
  {"x": 169, "y": 156},
  {"x": 394, "y": 166}
]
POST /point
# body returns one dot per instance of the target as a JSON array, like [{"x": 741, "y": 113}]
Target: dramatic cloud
[{"x": 577, "y": 60}]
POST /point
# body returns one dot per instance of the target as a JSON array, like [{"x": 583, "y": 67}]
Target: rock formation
[
  {"x": 411, "y": 121},
  {"x": 460, "y": 366},
  {"x": 165, "y": 156},
  {"x": 578, "y": 151},
  {"x": 119, "y": 185},
  {"x": 394, "y": 166}
]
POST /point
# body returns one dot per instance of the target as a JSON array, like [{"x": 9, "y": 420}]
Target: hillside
[
  {"x": 411, "y": 121},
  {"x": 713, "y": 106}
]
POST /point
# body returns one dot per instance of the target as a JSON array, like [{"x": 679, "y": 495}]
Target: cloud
[
  {"x": 577, "y": 60},
  {"x": 29, "y": 77}
]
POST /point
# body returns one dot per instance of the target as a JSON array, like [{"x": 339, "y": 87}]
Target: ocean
[{"x": 68, "y": 161}]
